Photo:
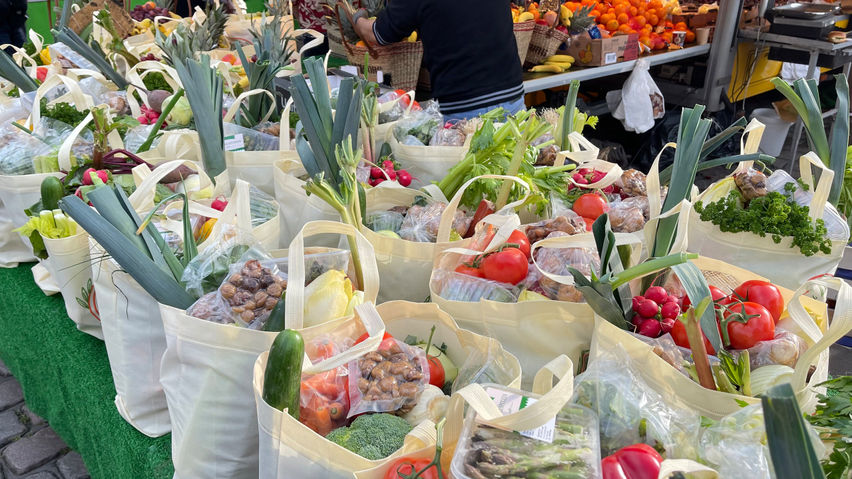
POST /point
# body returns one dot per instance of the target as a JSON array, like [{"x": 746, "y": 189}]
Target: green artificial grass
[{"x": 66, "y": 379}]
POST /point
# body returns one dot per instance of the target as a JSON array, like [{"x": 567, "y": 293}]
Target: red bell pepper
[{"x": 639, "y": 461}]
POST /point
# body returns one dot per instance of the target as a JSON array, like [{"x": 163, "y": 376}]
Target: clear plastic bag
[
  {"x": 785, "y": 349},
  {"x": 630, "y": 411},
  {"x": 323, "y": 401},
  {"x": 569, "y": 223},
  {"x": 317, "y": 264},
  {"x": 735, "y": 445},
  {"x": 448, "y": 137},
  {"x": 626, "y": 217},
  {"x": 17, "y": 150},
  {"x": 251, "y": 290},
  {"x": 206, "y": 271},
  {"x": 389, "y": 379},
  {"x": 253, "y": 140},
  {"x": 263, "y": 207},
  {"x": 482, "y": 367},
  {"x": 136, "y": 136},
  {"x": 60, "y": 49},
  {"x": 557, "y": 261},
  {"x": 454, "y": 286},
  {"x": 395, "y": 112},
  {"x": 212, "y": 307},
  {"x": 632, "y": 183},
  {"x": 385, "y": 221},
  {"x": 98, "y": 90},
  {"x": 421, "y": 223},
  {"x": 117, "y": 102},
  {"x": 421, "y": 125},
  {"x": 838, "y": 229}
]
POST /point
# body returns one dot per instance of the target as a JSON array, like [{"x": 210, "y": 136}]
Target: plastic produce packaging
[
  {"x": 263, "y": 207},
  {"x": 385, "y": 221},
  {"x": 482, "y": 366},
  {"x": 837, "y": 227},
  {"x": 323, "y": 400},
  {"x": 785, "y": 349},
  {"x": 630, "y": 411},
  {"x": 421, "y": 223},
  {"x": 568, "y": 223},
  {"x": 627, "y": 216},
  {"x": 252, "y": 140},
  {"x": 448, "y": 137},
  {"x": 557, "y": 261},
  {"x": 17, "y": 150},
  {"x": 566, "y": 447},
  {"x": 251, "y": 291},
  {"x": 735, "y": 445},
  {"x": 389, "y": 379},
  {"x": 454, "y": 286},
  {"x": 420, "y": 126},
  {"x": 206, "y": 272},
  {"x": 59, "y": 49}
]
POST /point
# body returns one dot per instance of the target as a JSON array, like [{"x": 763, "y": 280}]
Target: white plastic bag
[{"x": 640, "y": 102}]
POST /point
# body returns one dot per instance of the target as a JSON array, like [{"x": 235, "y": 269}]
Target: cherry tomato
[
  {"x": 715, "y": 293},
  {"x": 436, "y": 371},
  {"x": 748, "y": 324},
  {"x": 506, "y": 266},
  {"x": 680, "y": 337},
  {"x": 519, "y": 238},
  {"x": 470, "y": 270},
  {"x": 405, "y": 467},
  {"x": 763, "y": 293},
  {"x": 590, "y": 205}
]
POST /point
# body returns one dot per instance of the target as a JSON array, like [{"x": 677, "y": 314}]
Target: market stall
[{"x": 226, "y": 260}]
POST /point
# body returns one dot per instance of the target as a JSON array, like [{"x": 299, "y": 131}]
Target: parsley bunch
[
  {"x": 833, "y": 418},
  {"x": 774, "y": 214},
  {"x": 64, "y": 112}
]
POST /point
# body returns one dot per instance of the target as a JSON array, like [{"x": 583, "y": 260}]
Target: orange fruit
[
  {"x": 667, "y": 36},
  {"x": 606, "y": 18},
  {"x": 633, "y": 11},
  {"x": 656, "y": 4},
  {"x": 690, "y": 37},
  {"x": 622, "y": 18},
  {"x": 652, "y": 19},
  {"x": 612, "y": 25},
  {"x": 641, "y": 22},
  {"x": 648, "y": 28},
  {"x": 680, "y": 26},
  {"x": 624, "y": 29}
]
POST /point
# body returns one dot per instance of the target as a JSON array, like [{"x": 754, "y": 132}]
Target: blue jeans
[{"x": 510, "y": 106}]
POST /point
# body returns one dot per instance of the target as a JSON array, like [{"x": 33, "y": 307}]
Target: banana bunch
[
  {"x": 142, "y": 27},
  {"x": 554, "y": 64}
]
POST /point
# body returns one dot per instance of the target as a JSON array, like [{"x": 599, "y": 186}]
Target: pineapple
[{"x": 581, "y": 21}]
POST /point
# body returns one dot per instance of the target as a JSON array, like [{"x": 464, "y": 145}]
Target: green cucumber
[
  {"x": 275, "y": 321},
  {"x": 51, "y": 192},
  {"x": 283, "y": 376}
]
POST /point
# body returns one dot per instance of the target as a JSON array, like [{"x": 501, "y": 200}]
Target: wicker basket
[
  {"x": 544, "y": 43},
  {"x": 523, "y": 35},
  {"x": 401, "y": 61},
  {"x": 335, "y": 40}
]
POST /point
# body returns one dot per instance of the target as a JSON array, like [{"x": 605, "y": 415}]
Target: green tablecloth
[{"x": 66, "y": 379}]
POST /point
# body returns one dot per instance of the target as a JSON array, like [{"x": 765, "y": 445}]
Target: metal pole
[{"x": 722, "y": 53}]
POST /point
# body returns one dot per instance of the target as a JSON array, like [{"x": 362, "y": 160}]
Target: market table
[
  {"x": 66, "y": 379},
  {"x": 542, "y": 81}
]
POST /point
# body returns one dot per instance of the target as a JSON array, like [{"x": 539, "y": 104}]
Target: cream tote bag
[
  {"x": 17, "y": 193},
  {"x": 406, "y": 265},
  {"x": 715, "y": 404},
  {"x": 207, "y": 373},
  {"x": 427, "y": 163},
  {"x": 295, "y": 206},
  {"x": 256, "y": 167},
  {"x": 70, "y": 266}
]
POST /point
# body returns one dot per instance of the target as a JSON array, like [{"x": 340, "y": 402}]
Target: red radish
[
  {"x": 387, "y": 164},
  {"x": 376, "y": 172},
  {"x": 87, "y": 178},
  {"x": 667, "y": 324},
  {"x": 79, "y": 193},
  {"x": 648, "y": 308},
  {"x": 378, "y": 181},
  {"x": 403, "y": 177},
  {"x": 152, "y": 115},
  {"x": 597, "y": 176},
  {"x": 578, "y": 178},
  {"x": 670, "y": 311},
  {"x": 657, "y": 294},
  {"x": 142, "y": 120},
  {"x": 637, "y": 300},
  {"x": 219, "y": 204},
  {"x": 649, "y": 327},
  {"x": 584, "y": 171},
  {"x": 391, "y": 174}
]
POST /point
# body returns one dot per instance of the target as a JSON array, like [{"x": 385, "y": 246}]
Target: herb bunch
[
  {"x": 775, "y": 214},
  {"x": 833, "y": 418}
]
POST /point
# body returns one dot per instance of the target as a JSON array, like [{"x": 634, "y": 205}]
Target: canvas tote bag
[
  {"x": 207, "y": 373},
  {"x": 427, "y": 163},
  {"x": 256, "y": 167},
  {"x": 810, "y": 326},
  {"x": 70, "y": 266}
]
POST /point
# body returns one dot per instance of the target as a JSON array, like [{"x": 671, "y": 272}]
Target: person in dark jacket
[
  {"x": 13, "y": 22},
  {"x": 469, "y": 50}
]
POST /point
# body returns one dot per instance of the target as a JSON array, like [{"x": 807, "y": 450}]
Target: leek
[
  {"x": 790, "y": 448},
  {"x": 205, "y": 99},
  {"x": 804, "y": 96},
  {"x": 16, "y": 74},
  {"x": 67, "y": 36},
  {"x": 138, "y": 262}
]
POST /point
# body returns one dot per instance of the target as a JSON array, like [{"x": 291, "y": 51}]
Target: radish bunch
[
  {"x": 388, "y": 172},
  {"x": 656, "y": 312},
  {"x": 148, "y": 116},
  {"x": 587, "y": 176}
]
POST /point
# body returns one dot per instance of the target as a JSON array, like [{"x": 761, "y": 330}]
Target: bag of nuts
[{"x": 389, "y": 379}]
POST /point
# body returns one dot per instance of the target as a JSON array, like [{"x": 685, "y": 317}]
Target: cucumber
[
  {"x": 275, "y": 321},
  {"x": 51, "y": 192},
  {"x": 283, "y": 376}
]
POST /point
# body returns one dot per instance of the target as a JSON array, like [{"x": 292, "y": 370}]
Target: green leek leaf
[
  {"x": 839, "y": 138},
  {"x": 696, "y": 288},
  {"x": 790, "y": 447}
]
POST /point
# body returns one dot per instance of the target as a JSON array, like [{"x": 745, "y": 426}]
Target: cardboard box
[
  {"x": 603, "y": 51},
  {"x": 693, "y": 19}
]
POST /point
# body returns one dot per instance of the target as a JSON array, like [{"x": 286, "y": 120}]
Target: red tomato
[
  {"x": 679, "y": 335},
  {"x": 41, "y": 74},
  {"x": 436, "y": 371},
  {"x": 763, "y": 293},
  {"x": 590, "y": 205},
  {"x": 519, "y": 238},
  {"x": 506, "y": 266},
  {"x": 405, "y": 467},
  {"x": 470, "y": 271},
  {"x": 748, "y": 324},
  {"x": 589, "y": 222},
  {"x": 716, "y": 293}
]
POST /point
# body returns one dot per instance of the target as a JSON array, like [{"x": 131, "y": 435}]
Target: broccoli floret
[{"x": 372, "y": 436}]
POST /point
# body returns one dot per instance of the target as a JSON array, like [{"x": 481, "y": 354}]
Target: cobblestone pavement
[{"x": 29, "y": 449}]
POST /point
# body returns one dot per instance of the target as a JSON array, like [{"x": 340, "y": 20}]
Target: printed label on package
[
  {"x": 509, "y": 402},
  {"x": 234, "y": 143}
]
